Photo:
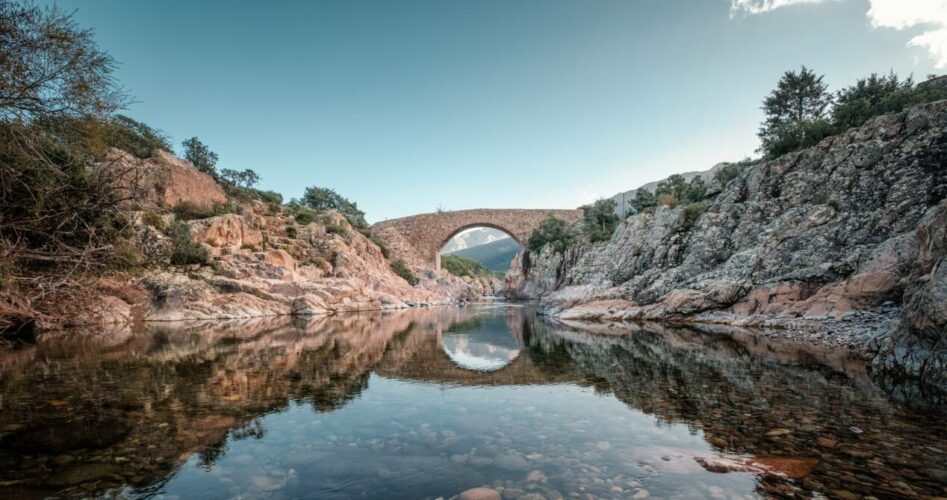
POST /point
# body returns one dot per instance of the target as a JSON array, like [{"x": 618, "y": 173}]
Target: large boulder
[
  {"x": 163, "y": 180},
  {"x": 226, "y": 231}
]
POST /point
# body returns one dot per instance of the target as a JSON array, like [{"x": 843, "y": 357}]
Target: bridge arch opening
[{"x": 490, "y": 245}]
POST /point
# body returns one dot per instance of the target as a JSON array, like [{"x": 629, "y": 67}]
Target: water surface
[{"x": 429, "y": 403}]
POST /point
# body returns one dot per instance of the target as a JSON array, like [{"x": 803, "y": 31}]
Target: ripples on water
[{"x": 428, "y": 403}]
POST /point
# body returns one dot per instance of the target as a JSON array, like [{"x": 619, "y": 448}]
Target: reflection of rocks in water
[
  {"x": 60, "y": 435},
  {"x": 769, "y": 399},
  {"x": 82, "y": 415},
  {"x": 109, "y": 413},
  {"x": 483, "y": 343}
]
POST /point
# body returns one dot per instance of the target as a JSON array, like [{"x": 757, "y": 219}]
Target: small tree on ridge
[{"x": 200, "y": 156}]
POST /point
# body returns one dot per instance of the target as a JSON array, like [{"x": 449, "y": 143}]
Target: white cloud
[
  {"x": 761, "y": 6},
  {"x": 930, "y": 15}
]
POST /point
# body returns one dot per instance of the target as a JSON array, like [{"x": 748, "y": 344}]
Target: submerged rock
[
  {"x": 479, "y": 494},
  {"x": 793, "y": 468}
]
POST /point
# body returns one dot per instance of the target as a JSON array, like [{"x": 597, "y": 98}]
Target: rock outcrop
[
  {"x": 255, "y": 261},
  {"x": 843, "y": 231},
  {"x": 163, "y": 180},
  {"x": 262, "y": 263},
  {"x": 915, "y": 345}
]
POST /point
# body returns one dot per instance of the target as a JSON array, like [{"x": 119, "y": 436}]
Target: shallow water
[{"x": 429, "y": 403}]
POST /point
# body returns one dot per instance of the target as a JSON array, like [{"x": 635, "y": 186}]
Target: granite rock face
[
  {"x": 258, "y": 268},
  {"x": 915, "y": 345},
  {"x": 163, "y": 180},
  {"x": 260, "y": 260},
  {"x": 851, "y": 224}
]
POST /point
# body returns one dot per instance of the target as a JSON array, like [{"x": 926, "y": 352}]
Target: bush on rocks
[
  {"x": 184, "y": 250},
  {"x": 187, "y": 210},
  {"x": 401, "y": 269}
]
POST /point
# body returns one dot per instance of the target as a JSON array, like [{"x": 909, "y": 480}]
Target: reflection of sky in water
[
  {"x": 369, "y": 409},
  {"x": 485, "y": 344}
]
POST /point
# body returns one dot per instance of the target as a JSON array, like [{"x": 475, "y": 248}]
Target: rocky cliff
[
  {"x": 844, "y": 240},
  {"x": 263, "y": 263},
  {"x": 253, "y": 259}
]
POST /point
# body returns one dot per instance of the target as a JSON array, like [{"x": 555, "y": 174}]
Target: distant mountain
[
  {"x": 495, "y": 256},
  {"x": 473, "y": 237}
]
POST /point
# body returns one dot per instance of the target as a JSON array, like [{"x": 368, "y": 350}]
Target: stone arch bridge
[{"x": 418, "y": 239}]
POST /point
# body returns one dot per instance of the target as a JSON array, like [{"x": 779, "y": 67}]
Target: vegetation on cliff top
[
  {"x": 801, "y": 111},
  {"x": 322, "y": 199},
  {"x": 554, "y": 232},
  {"x": 599, "y": 220},
  {"x": 672, "y": 192}
]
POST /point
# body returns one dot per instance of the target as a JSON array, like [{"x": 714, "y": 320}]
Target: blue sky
[{"x": 407, "y": 106}]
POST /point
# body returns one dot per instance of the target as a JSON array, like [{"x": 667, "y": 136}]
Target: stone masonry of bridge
[{"x": 418, "y": 239}]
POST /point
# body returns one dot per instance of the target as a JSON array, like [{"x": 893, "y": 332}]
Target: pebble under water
[{"x": 432, "y": 403}]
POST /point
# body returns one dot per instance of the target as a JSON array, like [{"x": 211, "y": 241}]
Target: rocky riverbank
[
  {"x": 257, "y": 258},
  {"x": 844, "y": 242}
]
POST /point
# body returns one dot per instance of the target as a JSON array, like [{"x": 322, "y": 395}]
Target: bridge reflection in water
[
  {"x": 483, "y": 342},
  {"x": 426, "y": 403}
]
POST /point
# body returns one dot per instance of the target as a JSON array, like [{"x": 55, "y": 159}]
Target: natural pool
[{"x": 429, "y": 403}]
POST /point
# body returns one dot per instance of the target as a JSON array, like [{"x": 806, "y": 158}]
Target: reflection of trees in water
[
  {"x": 466, "y": 325},
  {"x": 173, "y": 392},
  {"x": 719, "y": 384},
  {"x": 207, "y": 457}
]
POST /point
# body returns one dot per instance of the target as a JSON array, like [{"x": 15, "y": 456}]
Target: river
[{"x": 429, "y": 403}]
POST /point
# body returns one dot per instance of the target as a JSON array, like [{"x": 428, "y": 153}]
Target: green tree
[
  {"x": 136, "y": 137},
  {"x": 791, "y": 137},
  {"x": 879, "y": 94},
  {"x": 55, "y": 211},
  {"x": 644, "y": 200},
  {"x": 51, "y": 67},
  {"x": 671, "y": 192},
  {"x": 318, "y": 198},
  {"x": 599, "y": 219},
  {"x": 798, "y": 97},
  {"x": 676, "y": 190},
  {"x": 552, "y": 231},
  {"x": 732, "y": 170},
  {"x": 798, "y": 101},
  {"x": 872, "y": 96},
  {"x": 200, "y": 156},
  {"x": 245, "y": 179}
]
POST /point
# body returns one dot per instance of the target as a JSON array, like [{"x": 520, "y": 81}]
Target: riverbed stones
[
  {"x": 512, "y": 461},
  {"x": 535, "y": 476},
  {"x": 479, "y": 494}
]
